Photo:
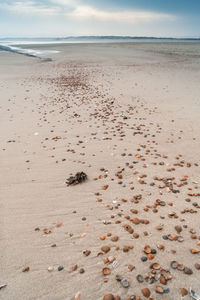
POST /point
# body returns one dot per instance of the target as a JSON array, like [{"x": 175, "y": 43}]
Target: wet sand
[{"x": 128, "y": 116}]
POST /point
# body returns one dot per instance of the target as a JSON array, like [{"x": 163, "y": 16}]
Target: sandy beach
[{"x": 127, "y": 115}]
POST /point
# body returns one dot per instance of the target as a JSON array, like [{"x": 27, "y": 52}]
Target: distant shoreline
[{"x": 110, "y": 37}]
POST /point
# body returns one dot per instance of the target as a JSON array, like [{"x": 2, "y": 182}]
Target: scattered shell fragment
[
  {"x": 77, "y": 296},
  {"x": 159, "y": 289},
  {"x": 183, "y": 292},
  {"x": 174, "y": 264}
]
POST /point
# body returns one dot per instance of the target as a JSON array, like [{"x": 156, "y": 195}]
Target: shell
[
  {"x": 111, "y": 259},
  {"x": 183, "y": 292},
  {"x": 180, "y": 267},
  {"x": 150, "y": 256},
  {"x": 174, "y": 264},
  {"x": 77, "y": 296},
  {"x": 194, "y": 250},
  {"x": 159, "y": 289},
  {"x": 147, "y": 249},
  {"x": 106, "y": 271},
  {"x": 155, "y": 266}
]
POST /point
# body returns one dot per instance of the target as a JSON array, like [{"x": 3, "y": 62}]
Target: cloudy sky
[{"x": 51, "y": 18}]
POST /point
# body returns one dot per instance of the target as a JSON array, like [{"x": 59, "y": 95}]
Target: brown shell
[
  {"x": 106, "y": 271},
  {"x": 147, "y": 249},
  {"x": 183, "y": 292}
]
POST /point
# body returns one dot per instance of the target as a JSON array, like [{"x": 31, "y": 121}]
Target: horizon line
[{"x": 103, "y": 36}]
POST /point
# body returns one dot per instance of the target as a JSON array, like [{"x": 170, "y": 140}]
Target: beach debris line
[{"x": 76, "y": 179}]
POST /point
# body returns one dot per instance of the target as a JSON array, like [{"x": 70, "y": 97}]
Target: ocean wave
[{"x": 27, "y": 52}]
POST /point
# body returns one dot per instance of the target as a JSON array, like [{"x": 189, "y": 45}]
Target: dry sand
[{"x": 128, "y": 116}]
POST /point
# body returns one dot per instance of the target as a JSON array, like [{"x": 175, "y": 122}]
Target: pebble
[
  {"x": 146, "y": 292},
  {"x": 50, "y": 269},
  {"x": 105, "y": 249},
  {"x": 74, "y": 267},
  {"x": 124, "y": 283},
  {"x": 81, "y": 271},
  {"x": 60, "y": 268},
  {"x": 143, "y": 258},
  {"x": 140, "y": 278},
  {"x": 188, "y": 271}
]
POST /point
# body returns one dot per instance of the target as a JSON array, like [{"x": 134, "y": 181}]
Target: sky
[{"x": 62, "y": 18}]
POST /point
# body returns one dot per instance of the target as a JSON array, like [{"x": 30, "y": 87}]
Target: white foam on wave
[{"x": 28, "y": 52}]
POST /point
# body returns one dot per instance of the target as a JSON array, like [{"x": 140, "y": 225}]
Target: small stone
[
  {"x": 143, "y": 258},
  {"x": 81, "y": 271},
  {"x": 165, "y": 237},
  {"x": 53, "y": 245},
  {"x": 153, "y": 251},
  {"x": 124, "y": 283},
  {"x": 74, "y": 267},
  {"x": 140, "y": 278},
  {"x": 105, "y": 249},
  {"x": 188, "y": 271},
  {"x": 86, "y": 252},
  {"x": 146, "y": 292},
  {"x": 83, "y": 218},
  {"x": 125, "y": 249},
  {"x": 60, "y": 268},
  {"x": 114, "y": 238},
  {"x": 178, "y": 228}
]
